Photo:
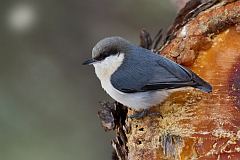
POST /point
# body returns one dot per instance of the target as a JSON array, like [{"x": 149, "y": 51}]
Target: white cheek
[{"x": 108, "y": 66}]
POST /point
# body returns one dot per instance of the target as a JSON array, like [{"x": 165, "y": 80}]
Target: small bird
[{"x": 137, "y": 77}]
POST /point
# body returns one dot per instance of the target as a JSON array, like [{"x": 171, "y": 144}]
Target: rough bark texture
[{"x": 196, "y": 125}]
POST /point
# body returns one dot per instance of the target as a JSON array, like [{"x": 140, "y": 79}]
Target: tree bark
[{"x": 196, "y": 125}]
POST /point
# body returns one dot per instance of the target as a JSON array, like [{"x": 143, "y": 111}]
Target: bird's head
[
  {"x": 108, "y": 47},
  {"x": 108, "y": 55}
]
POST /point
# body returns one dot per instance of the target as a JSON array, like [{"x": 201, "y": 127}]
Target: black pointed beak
[{"x": 89, "y": 62}]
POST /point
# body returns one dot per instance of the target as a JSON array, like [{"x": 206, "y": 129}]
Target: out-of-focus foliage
[{"x": 48, "y": 100}]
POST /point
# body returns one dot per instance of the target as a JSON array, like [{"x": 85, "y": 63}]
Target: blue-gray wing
[{"x": 143, "y": 71}]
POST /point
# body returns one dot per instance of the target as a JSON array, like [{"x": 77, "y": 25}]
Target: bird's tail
[{"x": 202, "y": 85}]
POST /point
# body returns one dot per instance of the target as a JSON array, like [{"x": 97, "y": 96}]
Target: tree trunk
[{"x": 195, "y": 125}]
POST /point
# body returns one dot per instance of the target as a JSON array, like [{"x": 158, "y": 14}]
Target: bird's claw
[{"x": 143, "y": 113}]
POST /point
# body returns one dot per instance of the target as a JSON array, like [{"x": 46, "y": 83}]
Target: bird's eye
[
  {"x": 113, "y": 52},
  {"x": 100, "y": 57},
  {"x": 105, "y": 54}
]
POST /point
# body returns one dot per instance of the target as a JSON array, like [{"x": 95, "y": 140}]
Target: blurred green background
[{"x": 48, "y": 100}]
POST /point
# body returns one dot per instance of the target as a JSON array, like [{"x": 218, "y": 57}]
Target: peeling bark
[{"x": 197, "y": 34}]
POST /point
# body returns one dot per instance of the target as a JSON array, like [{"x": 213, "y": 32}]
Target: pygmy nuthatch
[{"x": 137, "y": 77}]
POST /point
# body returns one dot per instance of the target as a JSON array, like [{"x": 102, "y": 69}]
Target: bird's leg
[
  {"x": 155, "y": 114},
  {"x": 143, "y": 113},
  {"x": 139, "y": 114}
]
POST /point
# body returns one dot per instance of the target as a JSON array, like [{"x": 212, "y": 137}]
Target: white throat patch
[{"x": 105, "y": 68}]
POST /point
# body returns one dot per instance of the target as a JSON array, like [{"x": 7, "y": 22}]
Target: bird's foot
[{"x": 144, "y": 113}]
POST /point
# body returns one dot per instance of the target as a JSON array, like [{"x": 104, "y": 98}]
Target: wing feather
[{"x": 143, "y": 71}]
